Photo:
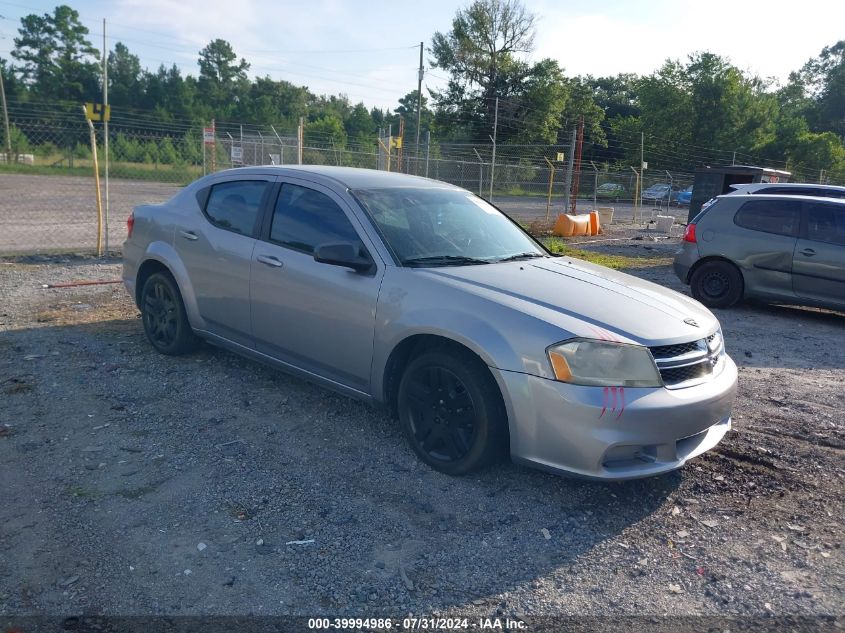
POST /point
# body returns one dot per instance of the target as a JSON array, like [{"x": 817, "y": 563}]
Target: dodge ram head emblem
[{"x": 690, "y": 321}]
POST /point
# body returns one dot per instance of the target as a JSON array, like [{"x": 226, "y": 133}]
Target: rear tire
[
  {"x": 717, "y": 284},
  {"x": 163, "y": 314},
  {"x": 452, "y": 411}
]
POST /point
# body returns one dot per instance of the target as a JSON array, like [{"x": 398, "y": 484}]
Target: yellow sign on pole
[
  {"x": 97, "y": 112},
  {"x": 560, "y": 157},
  {"x": 396, "y": 142}
]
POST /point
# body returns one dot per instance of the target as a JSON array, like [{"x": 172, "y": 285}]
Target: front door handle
[
  {"x": 269, "y": 260},
  {"x": 189, "y": 235},
  {"x": 808, "y": 252}
]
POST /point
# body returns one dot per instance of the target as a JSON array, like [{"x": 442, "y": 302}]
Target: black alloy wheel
[
  {"x": 163, "y": 314},
  {"x": 452, "y": 411},
  {"x": 442, "y": 413}
]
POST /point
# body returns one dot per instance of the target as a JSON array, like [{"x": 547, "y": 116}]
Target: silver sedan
[{"x": 422, "y": 297}]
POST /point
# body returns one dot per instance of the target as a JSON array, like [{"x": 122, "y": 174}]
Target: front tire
[
  {"x": 452, "y": 411},
  {"x": 717, "y": 284},
  {"x": 163, "y": 314}
]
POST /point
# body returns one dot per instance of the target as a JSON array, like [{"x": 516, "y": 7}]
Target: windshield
[{"x": 444, "y": 227}]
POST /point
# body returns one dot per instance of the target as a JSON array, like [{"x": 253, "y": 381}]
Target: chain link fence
[{"x": 48, "y": 193}]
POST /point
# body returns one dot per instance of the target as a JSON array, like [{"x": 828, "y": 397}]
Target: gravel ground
[{"x": 135, "y": 483}]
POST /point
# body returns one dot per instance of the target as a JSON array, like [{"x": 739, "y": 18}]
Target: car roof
[
  {"x": 782, "y": 196},
  {"x": 350, "y": 177},
  {"x": 758, "y": 186}
]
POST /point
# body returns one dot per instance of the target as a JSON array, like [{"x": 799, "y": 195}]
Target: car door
[
  {"x": 819, "y": 260},
  {"x": 764, "y": 244},
  {"x": 216, "y": 247},
  {"x": 315, "y": 316}
]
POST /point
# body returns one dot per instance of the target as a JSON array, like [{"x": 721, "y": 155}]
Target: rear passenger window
[
  {"x": 234, "y": 205},
  {"x": 782, "y": 217},
  {"x": 304, "y": 219},
  {"x": 826, "y": 223}
]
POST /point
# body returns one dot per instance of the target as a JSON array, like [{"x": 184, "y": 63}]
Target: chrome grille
[
  {"x": 687, "y": 364},
  {"x": 668, "y": 351}
]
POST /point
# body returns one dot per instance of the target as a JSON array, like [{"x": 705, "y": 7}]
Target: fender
[{"x": 165, "y": 253}]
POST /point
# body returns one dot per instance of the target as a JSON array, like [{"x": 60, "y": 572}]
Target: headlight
[{"x": 603, "y": 364}]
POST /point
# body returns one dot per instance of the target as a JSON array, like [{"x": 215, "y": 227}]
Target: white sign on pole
[
  {"x": 237, "y": 154},
  {"x": 208, "y": 134}
]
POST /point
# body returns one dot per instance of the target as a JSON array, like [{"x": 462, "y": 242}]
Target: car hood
[{"x": 586, "y": 299}]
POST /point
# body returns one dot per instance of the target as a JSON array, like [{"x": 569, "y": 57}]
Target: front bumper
[{"x": 621, "y": 433}]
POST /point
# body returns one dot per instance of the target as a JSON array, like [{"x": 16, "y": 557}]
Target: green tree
[
  {"x": 480, "y": 55},
  {"x": 812, "y": 152},
  {"x": 171, "y": 96},
  {"x": 57, "y": 61},
  {"x": 407, "y": 109},
  {"x": 124, "y": 77},
  {"x": 360, "y": 123},
  {"x": 14, "y": 88},
  {"x": 272, "y": 102},
  {"x": 616, "y": 95},
  {"x": 707, "y": 103},
  {"x": 222, "y": 80},
  {"x": 327, "y": 131},
  {"x": 822, "y": 83}
]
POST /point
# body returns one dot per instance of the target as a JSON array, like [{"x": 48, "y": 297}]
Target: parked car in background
[
  {"x": 789, "y": 189},
  {"x": 422, "y": 297},
  {"x": 657, "y": 193},
  {"x": 771, "y": 247},
  {"x": 682, "y": 198},
  {"x": 610, "y": 191}
]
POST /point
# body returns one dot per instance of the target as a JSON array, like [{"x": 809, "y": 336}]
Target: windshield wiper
[
  {"x": 442, "y": 260},
  {"x": 513, "y": 258}
]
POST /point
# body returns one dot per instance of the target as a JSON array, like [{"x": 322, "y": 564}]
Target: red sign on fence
[{"x": 208, "y": 135}]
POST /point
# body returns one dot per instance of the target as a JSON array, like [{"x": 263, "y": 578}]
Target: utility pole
[
  {"x": 419, "y": 108},
  {"x": 576, "y": 181},
  {"x": 493, "y": 138},
  {"x": 481, "y": 170},
  {"x": 669, "y": 193},
  {"x": 300, "y": 139},
  {"x": 6, "y": 119},
  {"x": 570, "y": 165},
  {"x": 106, "y": 127},
  {"x": 427, "y": 150},
  {"x": 642, "y": 165}
]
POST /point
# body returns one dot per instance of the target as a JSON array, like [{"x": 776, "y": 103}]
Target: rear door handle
[
  {"x": 269, "y": 260},
  {"x": 188, "y": 235},
  {"x": 808, "y": 252}
]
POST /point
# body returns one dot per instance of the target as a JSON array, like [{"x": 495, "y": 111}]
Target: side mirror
[{"x": 342, "y": 254}]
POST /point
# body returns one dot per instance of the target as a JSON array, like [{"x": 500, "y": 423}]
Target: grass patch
[
  {"x": 617, "y": 262},
  {"x": 178, "y": 175}
]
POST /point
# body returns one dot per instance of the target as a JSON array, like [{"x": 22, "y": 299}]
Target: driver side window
[{"x": 304, "y": 218}]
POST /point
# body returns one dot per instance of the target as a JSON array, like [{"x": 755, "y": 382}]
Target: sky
[{"x": 369, "y": 50}]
